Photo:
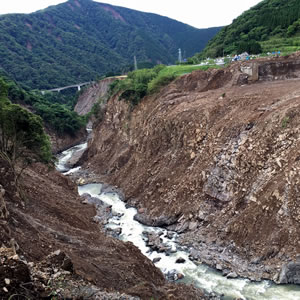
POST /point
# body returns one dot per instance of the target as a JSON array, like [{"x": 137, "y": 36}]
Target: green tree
[
  {"x": 22, "y": 137},
  {"x": 251, "y": 47}
]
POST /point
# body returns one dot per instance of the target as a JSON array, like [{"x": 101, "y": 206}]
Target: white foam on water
[
  {"x": 66, "y": 155},
  {"x": 71, "y": 171}
]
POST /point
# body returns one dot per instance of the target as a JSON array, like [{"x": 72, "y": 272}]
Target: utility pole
[
  {"x": 179, "y": 56},
  {"x": 135, "y": 63}
]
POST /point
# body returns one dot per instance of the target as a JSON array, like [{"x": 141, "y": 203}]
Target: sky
[{"x": 197, "y": 13}]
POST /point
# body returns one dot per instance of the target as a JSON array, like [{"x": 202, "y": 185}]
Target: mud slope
[
  {"x": 53, "y": 218},
  {"x": 216, "y": 156}
]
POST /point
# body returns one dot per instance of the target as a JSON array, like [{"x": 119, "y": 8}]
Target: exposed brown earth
[
  {"x": 54, "y": 218},
  {"x": 216, "y": 158}
]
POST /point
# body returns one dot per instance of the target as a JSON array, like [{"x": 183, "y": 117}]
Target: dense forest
[
  {"x": 57, "y": 116},
  {"x": 268, "y": 26},
  {"x": 80, "y": 40}
]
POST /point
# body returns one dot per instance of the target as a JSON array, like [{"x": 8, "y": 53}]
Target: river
[{"x": 201, "y": 275}]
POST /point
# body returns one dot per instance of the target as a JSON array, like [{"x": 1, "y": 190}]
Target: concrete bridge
[{"x": 78, "y": 86}]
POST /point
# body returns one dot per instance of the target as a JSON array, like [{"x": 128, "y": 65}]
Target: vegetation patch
[
  {"x": 68, "y": 44},
  {"x": 22, "y": 136},
  {"x": 143, "y": 82},
  {"x": 57, "y": 116},
  {"x": 285, "y": 122}
]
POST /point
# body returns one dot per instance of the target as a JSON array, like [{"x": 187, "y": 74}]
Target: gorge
[
  {"x": 122, "y": 218},
  {"x": 177, "y": 182},
  {"x": 211, "y": 164},
  {"x": 122, "y": 152}
]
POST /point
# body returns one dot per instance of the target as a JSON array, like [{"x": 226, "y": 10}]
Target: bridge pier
[{"x": 78, "y": 88}]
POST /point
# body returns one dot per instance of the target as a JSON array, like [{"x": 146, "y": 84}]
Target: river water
[{"x": 200, "y": 275}]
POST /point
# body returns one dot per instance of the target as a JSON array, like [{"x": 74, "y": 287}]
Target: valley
[
  {"x": 218, "y": 171},
  {"x": 170, "y": 182}
]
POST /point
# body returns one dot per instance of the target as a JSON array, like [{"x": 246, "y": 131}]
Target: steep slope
[
  {"x": 217, "y": 158},
  {"x": 79, "y": 40},
  {"x": 92, "y": 95},
  {"x": 54, "y": 218},
  {"x": 275, "y": 24}
]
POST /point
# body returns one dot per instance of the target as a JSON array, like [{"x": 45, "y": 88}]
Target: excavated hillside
[
  {"x": 62, "y": 252},
  {"x": 215, "y": 156}
]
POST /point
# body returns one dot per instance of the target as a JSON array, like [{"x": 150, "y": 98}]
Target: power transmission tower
[
  {"x": 179, "y": 56},
  {"x": 135, "y": 63}
]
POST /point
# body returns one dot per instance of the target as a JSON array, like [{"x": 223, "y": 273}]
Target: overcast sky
[{"x": 198, "y": 13}]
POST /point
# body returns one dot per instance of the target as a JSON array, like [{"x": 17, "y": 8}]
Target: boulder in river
[
  {"x": 194, "y": 254},
  {"x": 170, "y": 234},
  {"x": 173, "y": 275},
  {"x": 232, "y": 275},
  {"x": 81, "y": 181},
  {"x": 154, "y": 242},
  {"x": 164, "y": 248},
  {"x": 180, "y": 260},
  {"x": 109, "y": 189},
  {"x": 161, "y": 221},
  {"x": 156, "y": 259},
  {"x": 115, "y": 232}
]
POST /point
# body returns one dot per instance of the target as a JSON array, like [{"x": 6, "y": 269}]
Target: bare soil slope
[
  {"x": 216, "y": 157},
  {"x": 53, "y": 218}
]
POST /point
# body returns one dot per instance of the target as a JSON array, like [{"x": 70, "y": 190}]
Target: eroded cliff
[{"x": 216, "y": 158}]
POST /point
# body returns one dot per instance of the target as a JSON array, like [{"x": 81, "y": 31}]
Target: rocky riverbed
[{"x": 189, "y": 256}]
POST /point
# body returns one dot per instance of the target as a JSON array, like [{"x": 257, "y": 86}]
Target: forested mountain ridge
[
  {"x": 274, "y": 24},
  {"x": 79, "y": 40}
]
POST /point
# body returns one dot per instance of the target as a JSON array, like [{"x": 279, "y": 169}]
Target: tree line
[{"x": 268, "y": 19}]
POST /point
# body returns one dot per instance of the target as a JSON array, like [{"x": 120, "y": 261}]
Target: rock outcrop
[
  {"x": 290, "y": 273},
  {"x": 219, "y": 155},
  {"x": 65, "y": 141}
]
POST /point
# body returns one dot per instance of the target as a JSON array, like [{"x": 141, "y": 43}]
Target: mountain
[
  {"x": 80, "y": 40},
  {"x": 274, "y": 24}
]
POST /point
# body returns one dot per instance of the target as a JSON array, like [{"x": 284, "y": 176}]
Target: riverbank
[
  {"x": 52, "y": 219},
  {"x": 187, "y": 263},
  {"x": 214, "y": 157}
]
